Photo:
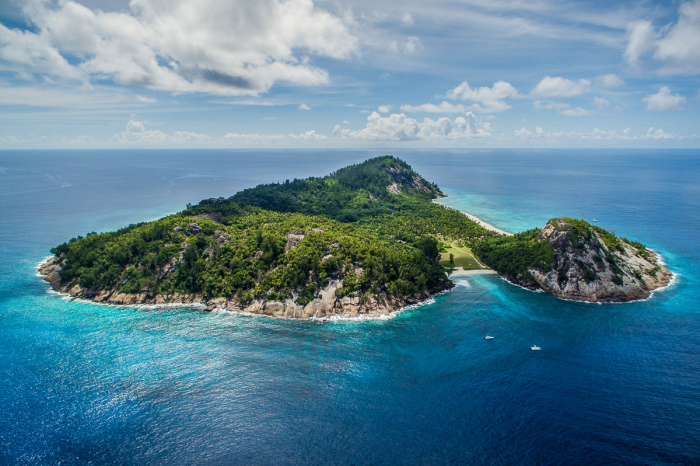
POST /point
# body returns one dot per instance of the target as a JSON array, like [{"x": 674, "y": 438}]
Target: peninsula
[{"x": 363, "y": 241}]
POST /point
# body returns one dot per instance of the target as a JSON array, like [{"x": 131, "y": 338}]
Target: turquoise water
[{"x": 89, "y": 384}]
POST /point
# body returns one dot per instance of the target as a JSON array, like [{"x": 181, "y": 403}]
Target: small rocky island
[
  {"x": 572, "y": 259},
  {"x": 363, "y": 241}
]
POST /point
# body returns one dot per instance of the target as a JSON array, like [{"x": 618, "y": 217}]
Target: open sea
[{"x": 614, "y": 384}]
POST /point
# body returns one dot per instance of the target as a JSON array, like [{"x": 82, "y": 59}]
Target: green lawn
[{"x": 463, "y": 257}]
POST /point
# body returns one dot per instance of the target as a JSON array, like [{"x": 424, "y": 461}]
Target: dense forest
[{"x": 371, "y": 225}]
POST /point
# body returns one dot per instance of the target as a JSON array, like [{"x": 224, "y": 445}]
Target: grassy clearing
[{"x": 462, "y": 256}]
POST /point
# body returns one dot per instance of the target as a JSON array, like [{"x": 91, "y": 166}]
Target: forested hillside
[{"x": 371, "y": 227}]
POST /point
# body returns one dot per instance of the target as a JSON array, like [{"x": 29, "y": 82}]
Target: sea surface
[{"x": 82, "y": 383}]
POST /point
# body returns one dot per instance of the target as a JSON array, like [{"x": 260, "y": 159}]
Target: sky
[{"x": 349, "y": 74}]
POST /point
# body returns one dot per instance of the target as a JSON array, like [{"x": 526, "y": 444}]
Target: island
[{"x": 363, "y": 241}]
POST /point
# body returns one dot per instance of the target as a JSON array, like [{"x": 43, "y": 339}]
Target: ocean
[{"x": 93, "y": 384}]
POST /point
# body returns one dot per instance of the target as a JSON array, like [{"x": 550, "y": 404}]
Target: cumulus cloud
[
  {"x": 658, "y": 133},
  {"x": 383, "y": 109},
  {"x": 303, "y": 106},
  {"x": 398, "y": 127},
  {"x": 664, "y": 101},
  {"x": 225, "y": 48},
  {"x": 675, "y": 46},
  {"x": 137, "y": 134},
  {"x": 488, "y": 99},
  {"x": 560, "y": 87},
  {"x": 610, "y": 80}
]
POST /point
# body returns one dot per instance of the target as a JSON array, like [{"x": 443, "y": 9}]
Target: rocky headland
[{"x": 593, "y": 265}]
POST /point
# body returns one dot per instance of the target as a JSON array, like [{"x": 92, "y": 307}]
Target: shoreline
[
  {"x": 475, "y": 219},
  {"x": 327, "y": 307},
  {"x": 459, "y": 271}
]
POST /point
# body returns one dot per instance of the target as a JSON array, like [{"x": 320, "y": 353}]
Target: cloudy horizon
[{"x": 297, "y": 73}]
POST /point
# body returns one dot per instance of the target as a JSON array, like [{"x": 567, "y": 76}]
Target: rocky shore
[
  {"x": 586, "y": 268},
  {"x": 326, "y": 304}
]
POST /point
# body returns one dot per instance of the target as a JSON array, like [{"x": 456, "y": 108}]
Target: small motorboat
[
  {"x": 535, "y": 348},
  {"x": 595, "y": 220},
  {"x": 487, "y": 337}
]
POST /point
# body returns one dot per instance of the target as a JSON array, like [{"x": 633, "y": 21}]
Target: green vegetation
[
  {"x": 457, "y": 255},
  {"x": 372, "y": 225},
  {"x": 514, "y": 255}
]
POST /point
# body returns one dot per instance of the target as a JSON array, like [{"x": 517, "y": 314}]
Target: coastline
[
  {"x": 476, "y": 219},
  {"x": 325, "y": 307},
  {"x": 459, "y": 271}
]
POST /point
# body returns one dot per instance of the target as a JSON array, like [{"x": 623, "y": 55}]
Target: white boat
[
  {"x": 488, "y": 337},
  {"x": 535, "y": 348},
  {"x": 595, "y": 220}
]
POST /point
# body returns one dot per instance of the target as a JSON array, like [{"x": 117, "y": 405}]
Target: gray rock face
[
  {"x": 193, "y": 229},
  {"x": 585, "y": 268},
  {"x": 293, "y": 239}
]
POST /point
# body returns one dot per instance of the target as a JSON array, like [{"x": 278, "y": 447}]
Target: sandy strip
[
  {"x": 477, "y": 220},
  {"x": 457, "y": 271}
]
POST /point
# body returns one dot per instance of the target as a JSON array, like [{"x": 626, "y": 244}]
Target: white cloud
[
  {"x": 658, "y": 133},
  {"x": 410, "y": 46},
  {"x": 383, "y": 109},
  {"x": 610, "y": 80},
  {"x": 247, "y": 138},
  {"x": 675, "y": 46},
  {"x": 136, "y": 133},
  {"x": 307, "y": 135},
  {"x": 575, "y": 112},
  {"x": 303, "y": 106},
  {"x": 562, "y": 108},
  {"x": 444, "y": 107},
  {"x": 488, "y": 99},
  {"x": 600, "y": 103},
  {"x": 664, "y": 101},
  {"x": 25, "y": 52},
  {"x": 640, "y": 40},
  {"x": 147, "y": 100},
  {"x": 398, "y": 127},
  {"x": 560, "y": 87},
  {"x": 226, "y": 48},
  {"x": 597, "y": 134}
]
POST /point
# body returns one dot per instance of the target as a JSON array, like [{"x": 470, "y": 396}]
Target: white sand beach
[{"x": 476, "y": 219}]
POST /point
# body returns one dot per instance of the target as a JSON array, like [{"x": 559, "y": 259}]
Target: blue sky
[{"x": 338, "y": 74}]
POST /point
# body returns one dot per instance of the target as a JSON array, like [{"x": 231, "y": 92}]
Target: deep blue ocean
[{"x": 613, "y": 384}]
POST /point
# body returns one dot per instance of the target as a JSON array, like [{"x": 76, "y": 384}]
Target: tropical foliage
[{"x": 371, "y": 225}]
